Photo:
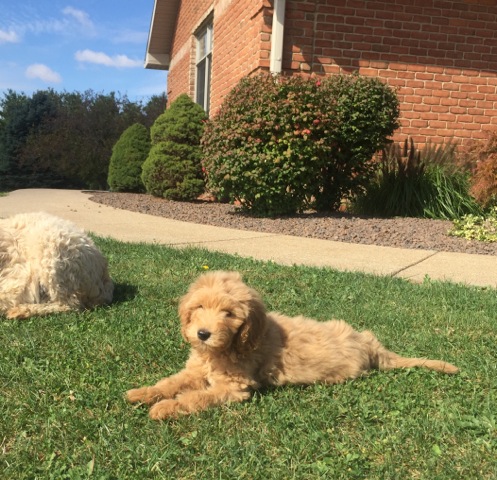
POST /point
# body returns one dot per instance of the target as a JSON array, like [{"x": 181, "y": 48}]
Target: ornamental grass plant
[{"x": 418, "y": 183}]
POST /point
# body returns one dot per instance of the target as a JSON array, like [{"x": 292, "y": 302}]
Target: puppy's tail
[
  {"x": 391, "y": 360},
  {"x": 27, "y": 310},
  {"x": 384, "y": 359}
]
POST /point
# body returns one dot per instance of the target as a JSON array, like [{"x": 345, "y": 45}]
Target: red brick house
[{"x": 440, "y": 55}]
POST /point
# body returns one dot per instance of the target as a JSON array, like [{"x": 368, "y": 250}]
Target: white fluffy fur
[{"x": 49, "y": 265}]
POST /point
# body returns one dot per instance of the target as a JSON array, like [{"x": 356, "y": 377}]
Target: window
[{"x": 203, "y": 66}]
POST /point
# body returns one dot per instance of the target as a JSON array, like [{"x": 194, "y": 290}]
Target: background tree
[
  {"x": 64, "y": 139},
  {"x": 128, "y": 155},
  {"x": 155, "y": 106},
  {"x": 172, "y": 169},
  {"x": 21, "y": 115}
]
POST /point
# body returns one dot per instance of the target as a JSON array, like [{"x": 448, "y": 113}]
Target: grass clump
[
  {"x": 418, "y": 183},
  {"x": 62, "y": 378}
]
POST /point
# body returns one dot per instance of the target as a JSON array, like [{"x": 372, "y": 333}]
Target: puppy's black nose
[{"x": 203, "y": 334}]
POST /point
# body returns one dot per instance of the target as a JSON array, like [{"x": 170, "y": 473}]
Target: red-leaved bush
[
  {"x": 282, "y": 145},
  {"x": 482, "y": 156}
]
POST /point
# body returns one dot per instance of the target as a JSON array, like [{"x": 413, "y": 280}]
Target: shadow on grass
[{"x": 124, "y": 292}]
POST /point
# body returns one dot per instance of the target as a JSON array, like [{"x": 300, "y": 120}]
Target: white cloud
[
  {"x": 100, "y": 58},
  {"x": 130, "y": 36},
  {"x": 72, "y": 22},
  {"x": 38, "y": 70},
  {"x": 9, "y": 37},
  {"x": 81, "y": 17}
]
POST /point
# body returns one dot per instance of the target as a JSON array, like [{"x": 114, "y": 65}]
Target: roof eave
[
  {"x": 160, "y": 37},
  {"x": 157, "y": 61}
]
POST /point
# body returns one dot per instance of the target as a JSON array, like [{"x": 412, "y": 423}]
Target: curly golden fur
[
  {"x": 238, "y": 347},
  {"x": 49, "y": 265}
]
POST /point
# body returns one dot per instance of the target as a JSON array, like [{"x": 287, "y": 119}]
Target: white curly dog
[{"x": 49, "y": 265}]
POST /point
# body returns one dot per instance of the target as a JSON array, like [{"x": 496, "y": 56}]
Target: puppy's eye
[
  {"x": 229, "y": 314},
  {"x": 199, "y": 307}
]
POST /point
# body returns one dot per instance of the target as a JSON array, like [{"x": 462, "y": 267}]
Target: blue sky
[{"x": 77, "y": 45}]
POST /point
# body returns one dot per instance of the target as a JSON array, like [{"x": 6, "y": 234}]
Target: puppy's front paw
[
  {"x": 16, "y": 313},
  {"x": 164, "y": 409},
  {"x": 146, "y": 395}
]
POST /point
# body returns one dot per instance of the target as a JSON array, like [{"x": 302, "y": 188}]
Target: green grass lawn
[{"x": 63, "y": 416}]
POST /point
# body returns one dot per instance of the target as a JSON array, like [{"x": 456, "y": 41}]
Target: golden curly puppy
[
  {"x": 238, "y": 347},
  {"x": 49, "y": 265}
]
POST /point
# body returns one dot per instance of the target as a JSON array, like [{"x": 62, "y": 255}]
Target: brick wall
[
  {"x": 242, "y": 37},
  {"x": 241, "y": 45},
  {"x": 181, "y": 70},
  {"x": 440, "y": 55}
]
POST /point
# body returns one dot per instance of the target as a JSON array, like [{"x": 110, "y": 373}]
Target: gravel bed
[{"x": 399, "y": 232}]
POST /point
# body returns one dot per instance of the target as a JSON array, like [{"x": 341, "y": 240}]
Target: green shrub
[
  {"x": 170, "y": 178},
  {"x": 173, "y": 168},
  {"x": 417, "y": 183},
  {"x": 128, "y": 155},
  {"x": 278, "y": 146},
  {"x": 477, "y": 227}
]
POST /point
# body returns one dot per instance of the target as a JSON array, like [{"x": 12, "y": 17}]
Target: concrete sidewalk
[{"x": 480, "y": 270}]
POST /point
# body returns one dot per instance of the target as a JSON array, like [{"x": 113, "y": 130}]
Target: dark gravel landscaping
[{"x": 401, "y": 232}]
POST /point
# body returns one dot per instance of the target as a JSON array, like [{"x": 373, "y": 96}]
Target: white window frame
[{"x": 203, "y": 65}]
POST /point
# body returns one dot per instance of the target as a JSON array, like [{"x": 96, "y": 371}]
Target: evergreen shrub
[
  {"x": 173, "y": 167},
  {"x": 128, "y": 155}
]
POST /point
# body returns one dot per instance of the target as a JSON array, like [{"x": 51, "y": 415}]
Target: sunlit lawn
[{"x": 63, "y": 416}]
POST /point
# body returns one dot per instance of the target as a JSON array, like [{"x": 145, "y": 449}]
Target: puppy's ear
[
  {"x": 186, "y": 303},
  {"x": 185, "y": 313},
  {"x": 254, "y": 326}
]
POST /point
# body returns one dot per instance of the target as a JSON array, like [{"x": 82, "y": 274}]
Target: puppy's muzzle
[{"x": 203, "y": 335}]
